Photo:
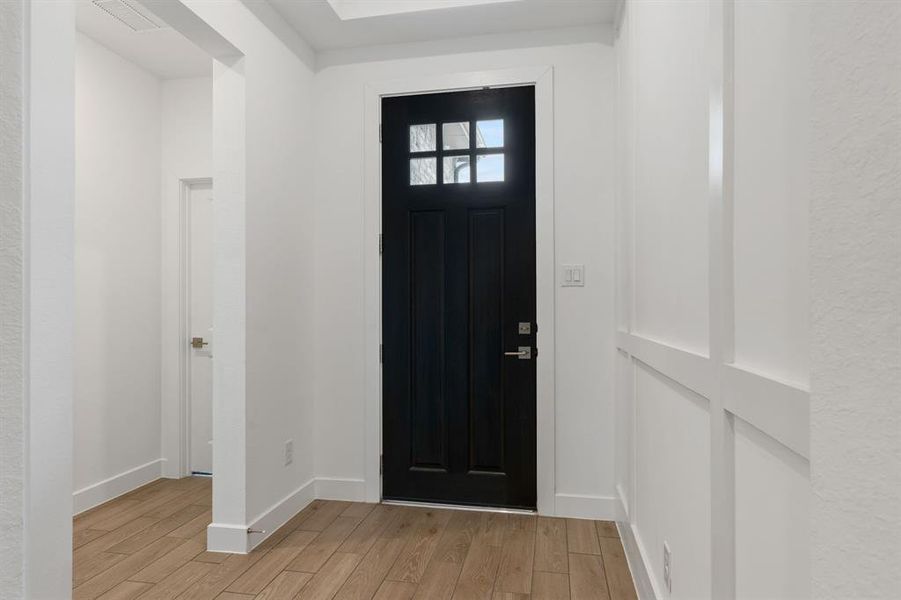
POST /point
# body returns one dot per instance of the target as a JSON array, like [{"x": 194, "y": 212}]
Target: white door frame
[
  {"x": 542, "y": 78},
  {"x": 180, "y": 328}
]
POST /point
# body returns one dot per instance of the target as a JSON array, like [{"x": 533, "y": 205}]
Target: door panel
[
  {"x": 486, "y": 340},
  {"x": 458, "y": 273},
  {"x": 428, "y": 424}
]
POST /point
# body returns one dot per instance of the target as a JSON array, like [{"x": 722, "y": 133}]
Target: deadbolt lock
[
  {"x": 197, "y": 342},
  {"x": 525, "y": 328}
]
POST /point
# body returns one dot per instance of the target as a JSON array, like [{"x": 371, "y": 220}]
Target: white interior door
[{"x": 201, "y": 323}]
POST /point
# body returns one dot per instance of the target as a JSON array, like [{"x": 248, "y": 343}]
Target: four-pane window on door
[{"x": 459, "y": 152}]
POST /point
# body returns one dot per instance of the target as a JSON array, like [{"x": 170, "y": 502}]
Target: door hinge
[
  {"x": 381, "y": 244},
  {"x": 381, "y": 353},
  {"x": 380, "y": 133},
  {"x": 381, "y": 464}
]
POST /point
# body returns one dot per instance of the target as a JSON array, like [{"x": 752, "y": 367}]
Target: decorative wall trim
[
  {"x": 694, "y": 371},
  {"x": 113, "y": 487},
  {"x": 334, "y": 488},
  {"x": 780, "y": 410},
  {"x": 581, "y": 506}
]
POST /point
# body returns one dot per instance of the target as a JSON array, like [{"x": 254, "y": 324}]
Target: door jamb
[{"x": 542, "y": 79}]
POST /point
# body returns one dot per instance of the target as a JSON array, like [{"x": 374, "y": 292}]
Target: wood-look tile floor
[{"x": 149, "y": 544}]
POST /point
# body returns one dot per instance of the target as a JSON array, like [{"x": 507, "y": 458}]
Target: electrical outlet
[
  {"x": 289, "y": 452},
  {"x": 667, "y": 568}
]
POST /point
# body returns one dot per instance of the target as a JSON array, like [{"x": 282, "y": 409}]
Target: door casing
[
  {"x": 542, "y": 78},
  {"x": 184, "y": 319}
]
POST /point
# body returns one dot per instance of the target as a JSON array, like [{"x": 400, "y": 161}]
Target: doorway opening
[
  {"x": 459, "y": 297},
  {"x": 196, "y": 273}
]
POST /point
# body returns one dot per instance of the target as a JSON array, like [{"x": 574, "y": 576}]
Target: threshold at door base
[{"x": 494, "y": 509}]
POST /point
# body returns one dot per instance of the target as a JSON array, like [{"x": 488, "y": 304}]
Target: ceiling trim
[
  {"x": 348, "y": 10},
  {"x": 600, "y": 34}
]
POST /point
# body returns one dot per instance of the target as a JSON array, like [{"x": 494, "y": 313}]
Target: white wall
[
  {"x": 712, "y": 271},
  {"x": 117, "y": 271},
  {"x": 187, "y": 128},
  {"x": 274, "y": 88},
  {"x": 36, "y": 221},
  {"x": 136, "y": 136},
  {"x": 583, "y": 133},
  {"x": 13, "y": 309},
  {"x": 186, "y": 145},
  {"x": 855, "y": 276}
]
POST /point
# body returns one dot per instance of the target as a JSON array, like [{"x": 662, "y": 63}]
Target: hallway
[{"x": 149, "y": 544}]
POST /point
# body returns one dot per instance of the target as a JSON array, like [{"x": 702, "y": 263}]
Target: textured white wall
[
  {"x": 12, "y": 307},
  {"x": 855, "y": 260},
  {"x": 36, "y": 222},
  {"x": 583, "y": 149},
  {"x": 117, "y": 269}
]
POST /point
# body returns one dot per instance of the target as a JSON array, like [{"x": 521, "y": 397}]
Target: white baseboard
[
  {"x": 228, "y": 537},
  {"x": 580, "y": 506},
  {"x": 224, "y": 537},
  {"x": 104, "y": 491},
  {"x": 333, "y": 488},
  {"x": 635, "y": 554},
  {"x": 644, "y": 587}
]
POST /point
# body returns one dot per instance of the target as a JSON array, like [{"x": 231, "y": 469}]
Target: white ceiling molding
[
  {"x": 603, "y": 34},
  {"x": 318, "y": 36},
  {"x": 361, "y": 9},
  {"x": 317, "y": 21}
]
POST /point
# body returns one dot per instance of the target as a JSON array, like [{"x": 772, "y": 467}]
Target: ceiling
[
  {"x": 381, "y": 22},
  {"x": 334, "y": 25},
  {"x": 164, "y": 52}
]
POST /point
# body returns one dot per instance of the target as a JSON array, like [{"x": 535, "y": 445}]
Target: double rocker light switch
[{"x": 573, "y": 276}]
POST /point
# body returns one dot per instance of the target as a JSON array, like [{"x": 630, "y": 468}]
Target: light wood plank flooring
[{"x": 150, "y": 544}]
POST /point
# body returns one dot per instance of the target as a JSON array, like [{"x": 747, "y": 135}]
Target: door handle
[
  {"x": 524, "y": 353},
  {"x": 197, "y": 342}
]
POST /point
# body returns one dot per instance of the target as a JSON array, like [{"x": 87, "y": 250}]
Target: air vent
[{"x": 131, "y": 14}]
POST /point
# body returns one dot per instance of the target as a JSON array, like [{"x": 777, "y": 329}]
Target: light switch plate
[{"x": 573, "y": 276}]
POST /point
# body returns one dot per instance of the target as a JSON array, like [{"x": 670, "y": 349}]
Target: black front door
[{"x": 458, "y": 276}]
